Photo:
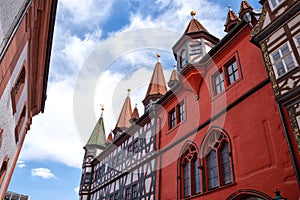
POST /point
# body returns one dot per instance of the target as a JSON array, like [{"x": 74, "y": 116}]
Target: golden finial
[
  {"x": 158, "y": 55},
  {"x": 102, "y": 107},
  {"x": 128, "y": 91},
  {"x": 193, "y": 13}
]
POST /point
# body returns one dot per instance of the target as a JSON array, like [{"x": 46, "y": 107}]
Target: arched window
[
  {"x": 190, "y": 179},
  {"x": 216, "y": 155},
  {"x": 248, "y": 194}
]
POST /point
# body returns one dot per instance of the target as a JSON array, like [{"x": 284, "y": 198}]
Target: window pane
[
  {"x": 196, "y": 177},
  {"x": 219, "y": 83},
  {"x": 284, "y": 49},
  {"x": 232, "y": 72},
  {"x": 212, "y": 170},
  {"x": 280, "y": 69},
  {"x": 135, "y": 191},
  {"x": 181, "y": 112},
  {"x": 273, "y": 3},
  {"x": 289, "y": 62},
  {"x": 276, "y": 56},
  {"x": 187, "y": 179},
  {"x": 225, "y": 164},
  {"x": 298, "y": 39}
]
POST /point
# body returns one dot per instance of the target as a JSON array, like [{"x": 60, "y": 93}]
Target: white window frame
[
  {"x": 297, "y": 44},
  {"x": 278, "y": 2},
  {"x": 282, "y": 59}
]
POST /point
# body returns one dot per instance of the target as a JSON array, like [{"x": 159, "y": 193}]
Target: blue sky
[{"x": 99, "y": 51}]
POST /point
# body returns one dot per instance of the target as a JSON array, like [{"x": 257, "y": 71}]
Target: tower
[
  {"x": 157, "y": 86},
  {"x": 194, "y": 44},
  {"x": 95, "y": 145},
  {"x": 124, "y": 117}
]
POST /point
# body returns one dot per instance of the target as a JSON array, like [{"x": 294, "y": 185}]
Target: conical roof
[
  {"x": 194, "y": 25},
  {"x": 98, "y": 135},
  {"x": 174, "y": 78},
  {"x": 125, "y": 115},
  {"x": 110, "y": 138},
  {"x": 245, "y": 7},
  {"x": 231, "y": 19},
  {"x": 135, "y": 114},
  {"x": 157, "y": 84}
]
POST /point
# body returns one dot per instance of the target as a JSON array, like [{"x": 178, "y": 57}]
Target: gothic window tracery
[{"x": 217, "y": 160}]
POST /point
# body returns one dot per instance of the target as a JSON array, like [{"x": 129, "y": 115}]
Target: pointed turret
[
  {"x": 97, "y": 138},
  {"x": 135, "y": 114},
  {"x": 244, "y": 8},
  {"x": 194, "y": 25},
  {"x": 125, "y": 116},
  {"x": 109, "y": 138},
  {"x": 231, "y": 20},
  {"x": 194, "y": 44},
  {"x": 174, "y": 78},
  {"x": 157, "y": 86}
]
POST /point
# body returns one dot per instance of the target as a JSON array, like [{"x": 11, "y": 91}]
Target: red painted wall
[{"x": 259, "y": 151}]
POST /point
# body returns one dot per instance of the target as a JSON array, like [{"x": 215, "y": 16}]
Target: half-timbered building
[
  {"x": 215, "y": 134},
  {"x": 278, "y": 35}
]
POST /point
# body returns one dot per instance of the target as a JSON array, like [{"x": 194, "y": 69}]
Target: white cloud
[
  {"x": 88, "y": 14},
  {"x": 76, "y": 190},
  {"x": 21, "y": 164},
  {"x": 53, "y": 135},
  {"x": 176, "y": 16},
  {"x": 42, "y": 172}
]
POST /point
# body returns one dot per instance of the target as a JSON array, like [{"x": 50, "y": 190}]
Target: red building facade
[{"x": 216, "y": 134}]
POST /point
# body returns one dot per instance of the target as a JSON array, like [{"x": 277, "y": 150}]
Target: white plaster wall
[
  {"x": 9, "y": 9},
  {"x": 8, "y": 120}
]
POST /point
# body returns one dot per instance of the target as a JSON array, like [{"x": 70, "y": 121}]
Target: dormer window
[{"x": 275, "y": 3}]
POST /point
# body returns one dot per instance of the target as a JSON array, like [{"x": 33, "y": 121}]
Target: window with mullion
[
  {"x": 283, "y": 60},
  {"x": 275, "y": 3},
  {"x": 232, "y": 72}
]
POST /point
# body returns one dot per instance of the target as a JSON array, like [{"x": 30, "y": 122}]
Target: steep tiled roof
[
  {"x": 110, "y": 138},
  {"x": 157, "y": 84},
  {"x": 231, "y": 20},
  {"x": 135, "y": 114},
  {"x": 174, "y": 78},
  {"x": 125, "y": 115},
  {"x": 194, "y": 25},
  {"x": 98, "y": 135},
  {"x": 245, "y": 7}
]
